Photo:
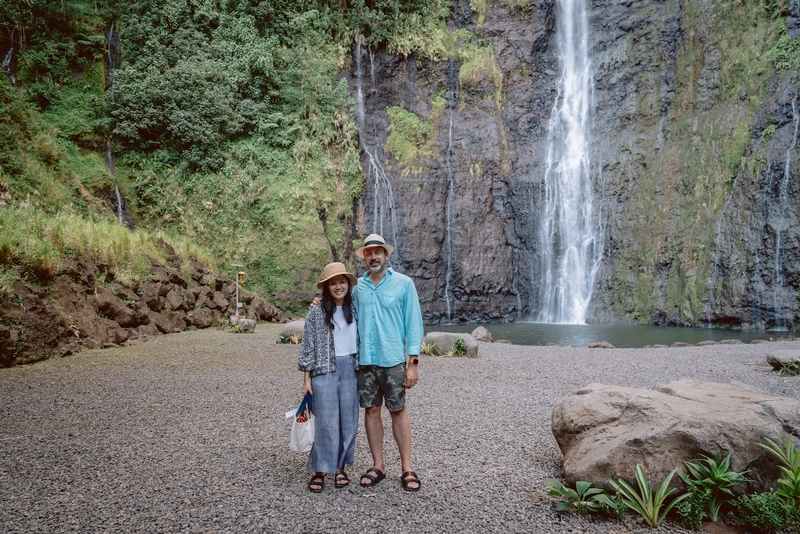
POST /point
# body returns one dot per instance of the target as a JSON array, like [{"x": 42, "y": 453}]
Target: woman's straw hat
[
  {"x": 374, "y": 240},
  {"x": 335, "y": 269}
]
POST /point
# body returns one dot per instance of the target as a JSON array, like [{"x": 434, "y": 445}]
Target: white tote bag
[{"x": 303, "y": 430}]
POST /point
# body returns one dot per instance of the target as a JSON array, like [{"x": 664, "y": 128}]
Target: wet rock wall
[{"x": 700, "y": 221}]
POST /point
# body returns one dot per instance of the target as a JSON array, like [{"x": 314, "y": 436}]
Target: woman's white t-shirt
[{"x": 345, "y": 340}]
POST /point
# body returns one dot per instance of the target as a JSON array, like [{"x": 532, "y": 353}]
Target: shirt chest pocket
[{"x": 389, "y": 302}]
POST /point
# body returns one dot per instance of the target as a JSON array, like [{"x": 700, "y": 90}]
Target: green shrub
[
  {"x": 430, "y": 349},
  {"x": 459, "y": 348},
  {"x": 652, "y": 506},
  {"x": 789, "y": 482},
  {"x": 791, "y": 368},
  {"x": 762, "y": 511},
  {"x": 584, "y": 498},
  {"x": 710, "y": 481}
]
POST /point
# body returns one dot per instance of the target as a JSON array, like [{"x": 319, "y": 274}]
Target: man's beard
[{"x": 376, "y": 268}]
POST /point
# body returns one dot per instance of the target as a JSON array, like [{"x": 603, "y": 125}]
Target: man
[{"x": 390, "y": 327}]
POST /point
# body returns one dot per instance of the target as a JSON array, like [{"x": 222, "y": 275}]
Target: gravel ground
[{"x": 186, "y": 433}]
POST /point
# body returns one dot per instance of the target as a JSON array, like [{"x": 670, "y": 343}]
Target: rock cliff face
[{"x": 693, "y": 157}]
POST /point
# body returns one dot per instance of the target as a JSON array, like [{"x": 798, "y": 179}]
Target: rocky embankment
[{"x": 84, "y": 307}]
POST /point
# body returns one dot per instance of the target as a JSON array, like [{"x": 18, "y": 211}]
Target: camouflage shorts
[{"x": 376, "y": 383}]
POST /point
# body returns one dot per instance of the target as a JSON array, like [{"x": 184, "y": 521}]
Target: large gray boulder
[
  {"x": 293, "y": 328},
  {"x": 248, "y": 325},
  {"x": 481, "y": 334},
  {"x": 604, "y": 431},
  {"x": 445, "y": 341},
  {"x": 779, "y": 358}
]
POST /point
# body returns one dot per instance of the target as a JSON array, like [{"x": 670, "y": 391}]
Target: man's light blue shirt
[{"x": 389, "y": 319}]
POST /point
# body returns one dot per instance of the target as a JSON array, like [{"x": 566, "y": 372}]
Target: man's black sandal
[
  {"x": 341, "y": 479},
  {"x": 373, "y": 480},
  {"x": 316, "y": 483},
  {"x": 409, "y": 477}
]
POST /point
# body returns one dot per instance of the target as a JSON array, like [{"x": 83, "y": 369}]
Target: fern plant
[{"x": 652, "y": 506}]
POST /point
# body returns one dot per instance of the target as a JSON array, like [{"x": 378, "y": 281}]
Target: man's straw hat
[
  {"x": 335, "y": 269},
  {"x": 374, "y": 240}
]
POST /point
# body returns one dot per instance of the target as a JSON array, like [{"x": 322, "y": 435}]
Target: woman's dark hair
[{"x": 329, "y": 306}]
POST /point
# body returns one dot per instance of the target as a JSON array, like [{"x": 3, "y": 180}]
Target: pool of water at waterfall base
[{"x": 621, "y": 336}]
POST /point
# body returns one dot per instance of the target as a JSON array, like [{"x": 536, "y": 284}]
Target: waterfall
[
  {"x": 783, "y": 221},
  {"x": 8, "y": 60},
  {"x": 569, "y": 230},
  {"x": 452, "y": 102},
  {"x": 383, "y": 209},
  {"x": 715, "y": 257}
]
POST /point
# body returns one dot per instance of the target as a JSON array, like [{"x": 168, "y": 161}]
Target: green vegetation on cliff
[
  {"x": 230, "y": 121},
  {"x": 724, "y": 72}
]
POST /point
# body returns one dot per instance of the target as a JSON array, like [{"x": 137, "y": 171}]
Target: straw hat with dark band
[
  {"x": 335, "y": 269},
  {"x": 374, "y": 240}
]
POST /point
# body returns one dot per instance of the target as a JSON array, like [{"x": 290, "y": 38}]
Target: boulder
[
  {"x": 706, "y": 343},
  {"x": 731, "y": 342},
  {"x": 600, "y": 345},
  {"x": 201, "y": 318},
  {"x": 680, "y": 344},
  {"x": 147, "y": 330},
  {"x": 445, "y": 341},
  {"x": 481, "y": 334},
  {"x": 779, "y": 358},
  {"x": 177, "y": 319},
  {"x": 161, "y": 322},
  {"x": 113, "y": 308},
  {"x": 264, "y": 310},
  {"x": 249, "y": 325},
  {"x": 293, "y": 328},
  {"x": 175, "y": 301},
  {"x": 8, "y": 343},
  {"x": 178, "y": 279},
  {"x": 219, "y": 302},
  {"x": 150, "y": 296},
  {"x": 604, "y": 431}
]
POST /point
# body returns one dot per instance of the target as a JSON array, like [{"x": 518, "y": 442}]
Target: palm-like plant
[
  {"x": 584, "y": 498},
  {"x": 650, "y": 505},
  {"x": 712, "y": 479},
  {"x": 789, "y": 483}
]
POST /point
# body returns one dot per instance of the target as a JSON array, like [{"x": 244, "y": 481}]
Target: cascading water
[
  {"x": 452, "y": 102},
  {"x": 383, "y": 209},
  {"x": 8, "y": 60},
  {"x": 782, "y": 222},
  {"x": 569, "y": 231}
]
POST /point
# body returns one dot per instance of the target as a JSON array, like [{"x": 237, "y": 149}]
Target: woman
[{"x": 329, "y": 360}]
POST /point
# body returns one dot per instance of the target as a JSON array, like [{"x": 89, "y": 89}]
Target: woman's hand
[{"x": 307, "y": 384}]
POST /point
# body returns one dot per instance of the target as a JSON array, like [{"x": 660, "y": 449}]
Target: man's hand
[
  {"x": 410, "y": 379},
  {"x": 314, "y": 302}
]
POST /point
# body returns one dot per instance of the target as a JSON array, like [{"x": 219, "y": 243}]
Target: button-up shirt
[{"x": 389, "y": 319}]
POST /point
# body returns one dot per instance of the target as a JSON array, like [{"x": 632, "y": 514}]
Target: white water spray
[
  {"x": 449, "y": 210},
  {"x": 569, "y": 233},
  {"x": 783, "y": 221},
  {"x": 383, "y": 209},
  {"x": 8, "y": 59}
]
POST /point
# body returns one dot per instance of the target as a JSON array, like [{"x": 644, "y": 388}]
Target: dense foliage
[{"x": 230, "y": 120}]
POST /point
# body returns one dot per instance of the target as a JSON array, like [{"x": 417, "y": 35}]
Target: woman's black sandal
[
  {"x": 340, "y": 479},
  {"x": 373, "y": 480},
  {"x": 316, "y": 484},
  {"x": 409, "y": 477}
]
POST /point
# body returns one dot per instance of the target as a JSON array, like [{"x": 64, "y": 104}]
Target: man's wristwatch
[{"x": 413, "y": 360}]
